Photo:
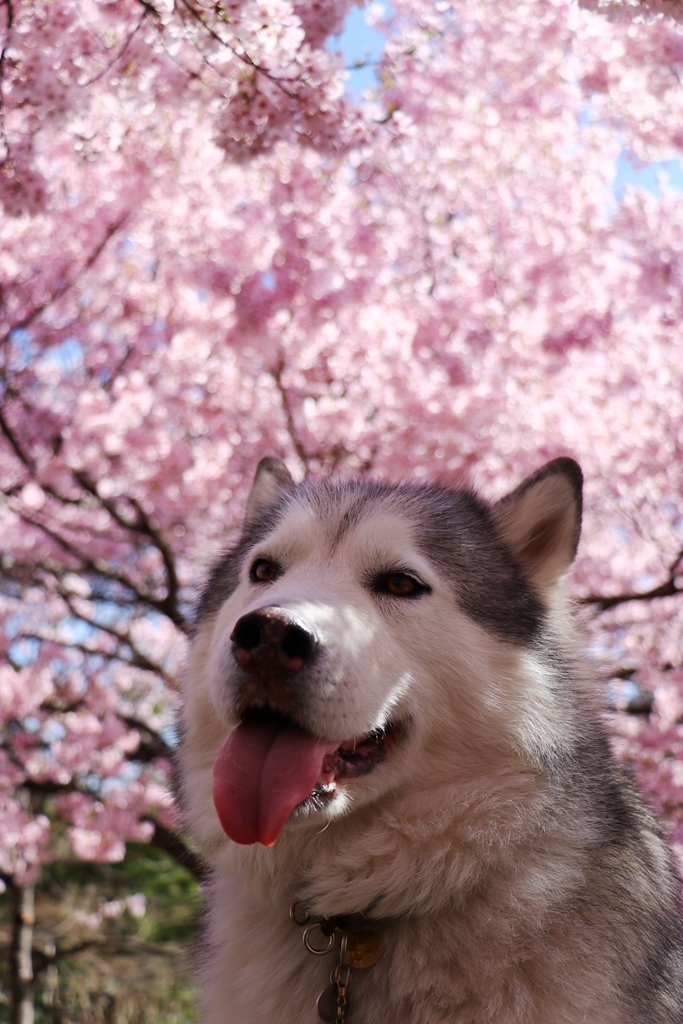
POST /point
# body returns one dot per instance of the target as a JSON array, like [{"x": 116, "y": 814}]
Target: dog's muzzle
[
  {"x": 271, "y": 646},
  {"x": 270, "y": 764}
]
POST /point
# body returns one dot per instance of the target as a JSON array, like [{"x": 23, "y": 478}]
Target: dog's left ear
[
  {"x": 271, "y": 482},
  {"x": 541, "y": 521}
]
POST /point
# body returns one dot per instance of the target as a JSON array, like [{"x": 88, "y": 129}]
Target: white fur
[{"x": 452, "y": 841}]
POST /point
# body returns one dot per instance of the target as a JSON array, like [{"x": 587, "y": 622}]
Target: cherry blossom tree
[{"x": 212, "y": 251}]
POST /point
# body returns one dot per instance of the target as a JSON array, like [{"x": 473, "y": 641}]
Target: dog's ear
[
  {"x": 272, "y": 480},
  {"x": 541, "y": 521}
]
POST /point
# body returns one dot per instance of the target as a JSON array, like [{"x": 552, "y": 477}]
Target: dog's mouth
[{"x": 268, "y": 767}]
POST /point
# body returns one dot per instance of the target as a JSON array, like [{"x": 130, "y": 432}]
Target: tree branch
[
  {"x": 69, "y": 283},
  {"x": 97, "y": 568},
  {"x": 671, "y": 586},
  {"x": 153, "y": 746},
  {"x": 123, "y": 944},
  {"x": 13, "y": 442},
  {"x": 117, "y": 57},
  {"x": 276, "y": 374},
  {"x": 241, "y": 55},
  {"x": 170, "y": 842},
  {"x": 143, "y": 525},
  {"x": 3, "y": 65}
]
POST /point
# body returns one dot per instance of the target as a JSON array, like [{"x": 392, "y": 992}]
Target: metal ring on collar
[{"x": 308, "y": 942}]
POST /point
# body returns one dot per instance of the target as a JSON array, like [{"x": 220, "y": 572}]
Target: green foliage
[{"x": 97, "y": 959}]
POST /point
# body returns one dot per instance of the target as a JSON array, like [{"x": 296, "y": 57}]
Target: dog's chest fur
[{"x": 431, "y": 972}]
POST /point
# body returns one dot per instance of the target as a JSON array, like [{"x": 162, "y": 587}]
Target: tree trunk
[{"x": 21, "y": 954}]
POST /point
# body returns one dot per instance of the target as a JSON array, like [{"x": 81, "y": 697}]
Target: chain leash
[{"x": 359, "y": 945}]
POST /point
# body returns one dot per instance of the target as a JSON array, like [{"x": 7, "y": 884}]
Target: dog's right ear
[{"x": 271, "y": 482}]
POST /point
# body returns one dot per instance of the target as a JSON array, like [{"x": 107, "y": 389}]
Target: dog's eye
[
  {"x": 399, "y": 584},
  {"x": 264, "y": 571}
]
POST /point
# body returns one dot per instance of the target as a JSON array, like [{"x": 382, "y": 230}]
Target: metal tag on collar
[{"x": 363, "y": 949}]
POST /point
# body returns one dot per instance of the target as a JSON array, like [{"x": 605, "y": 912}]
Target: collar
[{"x": 360, "y": 944}]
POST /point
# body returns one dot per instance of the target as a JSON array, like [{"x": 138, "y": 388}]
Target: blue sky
[
  {"x": 361, "y": 44},
  {"x": 649, "y": 176}
]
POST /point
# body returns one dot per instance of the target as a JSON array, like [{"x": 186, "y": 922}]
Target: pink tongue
[{"x": 263, "y": 770}]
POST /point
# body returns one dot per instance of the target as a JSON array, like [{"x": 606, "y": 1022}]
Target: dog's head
[{"x": 364, "y": 637}]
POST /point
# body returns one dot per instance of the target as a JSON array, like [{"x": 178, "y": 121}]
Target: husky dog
[{"x": 391, "y": 751}]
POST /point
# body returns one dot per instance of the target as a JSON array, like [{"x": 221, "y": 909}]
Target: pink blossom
[{"x": 213, "y": 252}]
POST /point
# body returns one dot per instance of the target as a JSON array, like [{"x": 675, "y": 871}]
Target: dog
[{"x": 393, "y": 762}]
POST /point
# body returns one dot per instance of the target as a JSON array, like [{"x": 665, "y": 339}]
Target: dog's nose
[{"x": 270, "y": 640}]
